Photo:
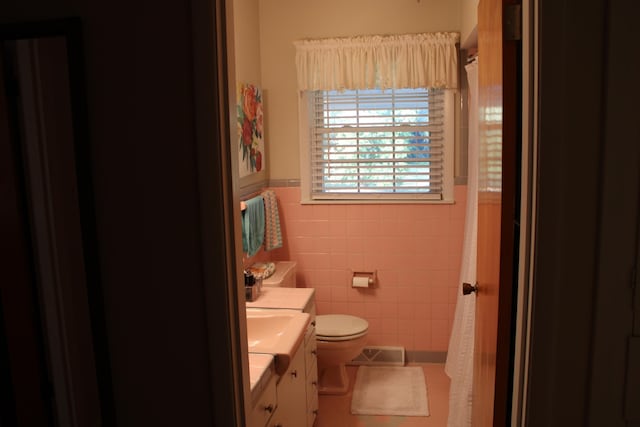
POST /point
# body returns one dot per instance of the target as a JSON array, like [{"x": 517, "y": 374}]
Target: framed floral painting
[{"x": 250, "y": 129}]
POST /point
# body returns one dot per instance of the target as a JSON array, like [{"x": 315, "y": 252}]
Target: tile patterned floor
[{"x": 335, "y": 411}]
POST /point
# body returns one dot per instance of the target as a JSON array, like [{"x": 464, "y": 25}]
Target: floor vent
[{"x": 380, "y": 355}]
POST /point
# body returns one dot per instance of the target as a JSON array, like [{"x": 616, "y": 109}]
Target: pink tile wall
[{"x": 416, "y": 250}]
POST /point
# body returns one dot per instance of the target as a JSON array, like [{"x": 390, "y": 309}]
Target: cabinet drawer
[
  {"x": 265, "y": 406},
  {"x": 311, "y": 329},
  {"x": 311, "y": 351},
  {"x": 312, "y": 412},
  {"x": 312, "y": 395},
  {"x": 312, "y": 388},
  {"x": 312, "y": 312}
]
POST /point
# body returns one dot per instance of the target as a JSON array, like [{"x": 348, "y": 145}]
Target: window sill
[{"x": 376, "y": 202}]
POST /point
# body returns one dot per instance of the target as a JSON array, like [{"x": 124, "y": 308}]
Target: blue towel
[{"x": 253, "y": 225}]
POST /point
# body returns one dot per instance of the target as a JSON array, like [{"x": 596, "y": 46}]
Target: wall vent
[{"x": 380, "y": 355}]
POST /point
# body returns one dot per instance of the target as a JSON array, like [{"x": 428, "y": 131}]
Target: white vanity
[{"x": 283, "y": 367}]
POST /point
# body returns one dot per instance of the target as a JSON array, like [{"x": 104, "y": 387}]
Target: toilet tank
[{"x": 284, "y": 276}]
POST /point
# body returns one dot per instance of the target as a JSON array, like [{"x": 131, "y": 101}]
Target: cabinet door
[
  {"x": 263, "y": 409},
  {"x": 311, "y": 350},
  {"x": 292, "y": 397}
]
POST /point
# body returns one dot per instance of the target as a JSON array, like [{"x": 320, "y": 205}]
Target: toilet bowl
[{"x": 339, "y": 338}]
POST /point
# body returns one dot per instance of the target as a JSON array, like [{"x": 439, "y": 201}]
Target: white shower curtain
[{"x": 459, "y": 365}]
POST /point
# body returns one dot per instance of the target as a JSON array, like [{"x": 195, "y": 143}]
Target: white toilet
[{"x": 340, "y": 337}]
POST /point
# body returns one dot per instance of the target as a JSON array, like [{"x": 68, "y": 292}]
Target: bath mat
[{"x": 383, "y": 390}]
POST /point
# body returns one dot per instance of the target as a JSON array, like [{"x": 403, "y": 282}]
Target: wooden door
[
  {"x": 48, "y": 299},
  {"x": 497, "y": 209}
]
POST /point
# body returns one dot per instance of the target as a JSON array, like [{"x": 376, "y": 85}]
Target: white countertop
[
  {"x": 261, "y": 368},
  {"x": 290, "y": 298}
]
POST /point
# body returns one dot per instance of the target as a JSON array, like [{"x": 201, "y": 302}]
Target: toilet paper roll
[{"x": 360, "y": 282}]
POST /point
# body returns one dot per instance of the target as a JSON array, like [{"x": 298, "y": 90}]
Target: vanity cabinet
[{"x": 296, "y": 391}]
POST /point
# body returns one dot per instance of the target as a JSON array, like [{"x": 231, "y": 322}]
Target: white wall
[
  {"x": 246, "y": 25},
  {"x": 246, "y": 53},
  {"x": 283, "y": 21},
  {"x": 468, "y": 22}
]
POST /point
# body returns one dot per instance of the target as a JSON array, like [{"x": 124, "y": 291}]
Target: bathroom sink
[{"x": 275, "y": 331}]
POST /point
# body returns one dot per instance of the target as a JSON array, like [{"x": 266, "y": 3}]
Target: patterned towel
[{"x": 272, "y": 233}]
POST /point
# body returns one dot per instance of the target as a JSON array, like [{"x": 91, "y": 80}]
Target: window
[{"x": 376, "y": 144}]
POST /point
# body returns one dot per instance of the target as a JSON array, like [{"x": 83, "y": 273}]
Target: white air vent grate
[{"x": 380, "y": 355}]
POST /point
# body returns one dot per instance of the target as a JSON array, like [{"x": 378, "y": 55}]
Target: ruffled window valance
[{"x": 428, "y": 60}]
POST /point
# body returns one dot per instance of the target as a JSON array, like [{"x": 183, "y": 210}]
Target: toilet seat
[{"x": 340, "y": 327}]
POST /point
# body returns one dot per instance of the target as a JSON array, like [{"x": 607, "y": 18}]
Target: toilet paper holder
[{"x": 370, "y": 275}]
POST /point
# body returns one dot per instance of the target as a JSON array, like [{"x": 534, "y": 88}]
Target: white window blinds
[{"x": 376, "y": 144}]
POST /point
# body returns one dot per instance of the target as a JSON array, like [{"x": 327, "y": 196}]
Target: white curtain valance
[{"x": 428, "y": 60}]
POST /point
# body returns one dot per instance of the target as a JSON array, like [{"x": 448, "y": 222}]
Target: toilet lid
[{"x": 340, "y": 326}]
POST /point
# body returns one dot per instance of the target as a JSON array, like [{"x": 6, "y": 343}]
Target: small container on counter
[{"x": 251, "y": 286}]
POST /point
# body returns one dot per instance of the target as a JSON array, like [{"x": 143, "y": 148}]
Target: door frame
[
  {"x": 528, "y": 190},
  {"x": 558, "y": 273},
  {"x": 214, "y": 81}
]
